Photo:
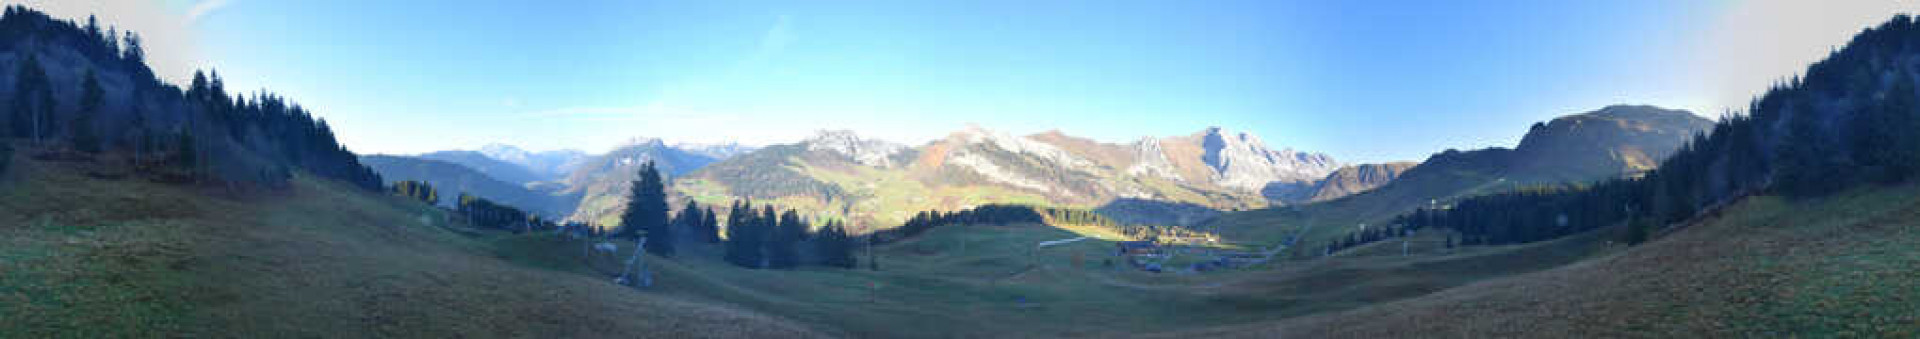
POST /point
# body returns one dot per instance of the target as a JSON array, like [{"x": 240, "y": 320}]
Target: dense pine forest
[{"x": 79, "y": 89}]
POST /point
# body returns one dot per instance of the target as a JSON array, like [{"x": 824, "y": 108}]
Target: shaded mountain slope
[
  {"x": 1611, "y": 142},
  {"x": 494, "y": 168},
  {"x": 451, "y": 179},
  {"x": 1343, "y": 182}
]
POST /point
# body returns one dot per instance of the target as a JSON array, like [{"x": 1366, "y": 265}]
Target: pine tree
[
  {"x": 1801, "y": 158},
  {"x": 710, "y": 226},
  {"x": 769, "y": 223},
  {"x": 647, "y": 210},
  {"x": 688, "y": 220},
  {"x": 92, "y": 97},
  {"x": 835, "y": 246},
  {"x": 32, "y": 103},
  {"x": 782, "y": 251},
  {"x": 1637, "y": 229},
  {"x": 744, "y": 237}
]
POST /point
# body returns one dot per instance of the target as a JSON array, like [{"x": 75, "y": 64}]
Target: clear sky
[{"x": 1361, "y": 80}]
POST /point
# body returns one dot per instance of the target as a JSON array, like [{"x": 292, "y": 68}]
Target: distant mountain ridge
[
  {"x": 1352, "y": 180},
  {"x": 492, "y": 167},
  {"x": 547, "y": 164},
  {"x": 1610, "y": 142},
  {"x": 451, "y": 179},
  {"x": 843, "y": 175},
  {"x": 594, "y": 184},
  {"x": 603, "y": 181}
]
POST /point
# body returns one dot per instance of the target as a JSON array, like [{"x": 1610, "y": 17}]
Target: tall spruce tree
[
  {"x": 647, "y": 210},
  {"x": 710, "y": 226},
  {"x": 768, "y": 222},
  {"x": 743, "y": 236}
]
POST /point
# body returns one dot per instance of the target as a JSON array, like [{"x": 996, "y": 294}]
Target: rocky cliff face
[
  {"x": 1242, "y": 161},
  {"x": 1355, "y": 179},
  {"x": 865, "y": 151}
]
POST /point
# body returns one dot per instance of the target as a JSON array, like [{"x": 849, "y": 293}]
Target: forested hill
[
  {"x": 1852, "y": 119},
  {"x": 82, "y": 88}
]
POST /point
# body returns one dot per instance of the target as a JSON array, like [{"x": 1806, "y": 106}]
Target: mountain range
[
  {"x": 1611, "y": 142},
  {"x": 843, "y": 175},
  {"x": 1184, "y": 180},
  {"x": 452, "y": 179}
]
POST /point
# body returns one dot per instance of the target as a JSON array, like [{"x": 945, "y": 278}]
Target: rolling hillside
[
  {"x": 1765, "y": 267},
  {"x": 125, "y": 257}
]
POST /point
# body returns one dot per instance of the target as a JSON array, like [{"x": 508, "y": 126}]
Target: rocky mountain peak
[
  {"x": 505, "y": 152},
  {"x": 718, "y": 150},
  {"x": 866, "y": 151},
  {"x": 643, "y": 141},
  {"x": 1241, "y": 160}
]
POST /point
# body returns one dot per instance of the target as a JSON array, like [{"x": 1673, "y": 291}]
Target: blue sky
[{"x": 1361, "y": 80}]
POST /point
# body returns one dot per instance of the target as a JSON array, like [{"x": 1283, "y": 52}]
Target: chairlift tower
[{"x": 646, "y": 278}]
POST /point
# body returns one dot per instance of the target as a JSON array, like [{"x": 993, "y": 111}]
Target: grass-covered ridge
[
  {"x": 1766, "y": 267},
  {"x": 115, "y": 258}
]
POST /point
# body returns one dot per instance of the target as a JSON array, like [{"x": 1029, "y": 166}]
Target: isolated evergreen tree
[{"x": 647, "y": 210}]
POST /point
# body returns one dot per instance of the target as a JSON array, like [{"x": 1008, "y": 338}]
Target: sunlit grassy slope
[
  {"x": 87, "y": 257},
  {"x": 1767, "y": 267},
  {"x": 991, "y": 281}
]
